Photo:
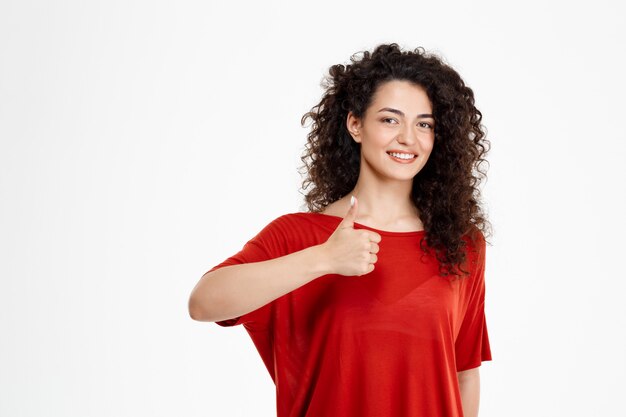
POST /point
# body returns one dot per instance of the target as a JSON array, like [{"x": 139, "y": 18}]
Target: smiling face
[{"x": 398, "y": 119}]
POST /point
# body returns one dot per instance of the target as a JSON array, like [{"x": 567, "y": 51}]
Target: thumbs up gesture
[{"x": 352, "y": 251}]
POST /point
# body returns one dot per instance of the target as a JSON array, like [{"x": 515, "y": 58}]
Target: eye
[
  {"x": 428, "y": 125},
  {"x": 388, "y": 118}
]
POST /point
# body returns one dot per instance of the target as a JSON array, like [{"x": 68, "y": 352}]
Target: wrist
[{"x": 320, "y": 260}]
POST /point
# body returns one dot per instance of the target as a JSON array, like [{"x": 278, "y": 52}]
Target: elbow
[
  {"x": 197, "y": 310},
  {"x": 199, "y": 303},
  {"x": 194, "y": 312}
]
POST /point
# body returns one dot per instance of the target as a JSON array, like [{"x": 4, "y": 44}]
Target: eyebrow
[{"x": 402, "y": 113}]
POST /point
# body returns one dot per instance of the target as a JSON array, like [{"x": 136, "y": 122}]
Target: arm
[
  {"x": 469, "y": 385},
  {"x": 235, "y": 290}
]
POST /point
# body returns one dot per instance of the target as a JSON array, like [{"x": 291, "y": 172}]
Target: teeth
[{"x": 402, "y": 155}]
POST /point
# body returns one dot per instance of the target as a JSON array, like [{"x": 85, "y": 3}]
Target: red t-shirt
[{"x": 388, "y": 343}]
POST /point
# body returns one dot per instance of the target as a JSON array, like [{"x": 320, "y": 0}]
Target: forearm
[
  {"x": 469, "y": 386},
  {"x": 235, "y": 290}
]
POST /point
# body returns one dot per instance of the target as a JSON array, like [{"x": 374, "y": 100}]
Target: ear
[{"x": 354, "y": 125}]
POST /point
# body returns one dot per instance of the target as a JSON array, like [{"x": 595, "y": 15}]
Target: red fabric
[{"x": 388, "y": 343}]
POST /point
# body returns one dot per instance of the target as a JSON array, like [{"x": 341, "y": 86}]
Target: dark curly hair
[{"x": 445, "y": 191}]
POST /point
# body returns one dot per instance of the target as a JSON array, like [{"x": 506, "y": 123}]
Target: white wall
[{"x": 141, "y": 143}]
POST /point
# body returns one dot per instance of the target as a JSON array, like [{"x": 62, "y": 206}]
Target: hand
[{"x": 352, "y": 251}]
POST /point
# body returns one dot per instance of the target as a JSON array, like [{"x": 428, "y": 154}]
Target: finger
[
  {"x": 348, "y": 220},
  {"x": 374, "y": 248},
  {"x": 373, "y": 236}
]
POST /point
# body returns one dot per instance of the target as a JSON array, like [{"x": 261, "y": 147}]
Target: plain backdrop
[{"x": 143, "y": 142}]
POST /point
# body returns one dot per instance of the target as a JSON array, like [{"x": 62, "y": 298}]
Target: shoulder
[
  {"x": 287, "y": 223},
  {"x": 475, "y": 247},
  {"x": 301, "y": 220},
  {"x": 475, "y": 239},
  {"x": 284, "y": 229}
]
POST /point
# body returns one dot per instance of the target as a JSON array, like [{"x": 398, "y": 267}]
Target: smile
[{"x": 403, "y": 158}]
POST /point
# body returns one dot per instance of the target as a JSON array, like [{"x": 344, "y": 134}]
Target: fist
[{"x": 352, "y": 251}]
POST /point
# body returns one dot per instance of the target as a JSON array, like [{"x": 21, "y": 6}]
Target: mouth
[{"x": 402, "y": 157}]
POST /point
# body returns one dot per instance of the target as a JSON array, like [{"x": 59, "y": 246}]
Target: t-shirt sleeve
[
  {"x": 472, "y": 342},
  {"x": 263, "y": 246}
]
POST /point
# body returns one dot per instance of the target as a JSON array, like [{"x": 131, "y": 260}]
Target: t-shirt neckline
[{"x": 337, "y": 220}]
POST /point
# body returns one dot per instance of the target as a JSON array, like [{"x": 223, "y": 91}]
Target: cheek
[
  {"x": 428, "y": 143},
  {"x": 381, "y": 133},
  {"x": 377, "y": 141}
]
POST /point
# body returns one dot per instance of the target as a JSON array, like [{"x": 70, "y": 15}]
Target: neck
[{"x": 384, "y": 200}]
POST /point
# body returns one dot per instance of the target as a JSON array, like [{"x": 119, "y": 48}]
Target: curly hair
[{"x": 445, "y": 191}]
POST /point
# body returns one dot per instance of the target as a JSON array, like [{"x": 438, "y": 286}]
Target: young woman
[{"x": 372, "y": 302}]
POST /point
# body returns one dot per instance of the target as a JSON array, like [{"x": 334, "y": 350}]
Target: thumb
[{"x": 348, "y": 220}]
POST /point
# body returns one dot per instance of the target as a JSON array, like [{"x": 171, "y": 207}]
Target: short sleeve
[
  {"x": 472, "y": 342},
  {"x": 261, "y": 247}
]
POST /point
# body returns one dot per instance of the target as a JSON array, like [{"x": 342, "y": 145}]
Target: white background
[{"x": 144, "y": 142}]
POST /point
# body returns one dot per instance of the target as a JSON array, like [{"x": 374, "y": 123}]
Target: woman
[{"x": 372, "y": 302}]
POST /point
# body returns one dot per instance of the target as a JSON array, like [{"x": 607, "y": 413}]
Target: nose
[{"x": 408, "y": 137}]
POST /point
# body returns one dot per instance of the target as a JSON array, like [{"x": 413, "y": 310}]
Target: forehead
[{"x": 402, "y": 94}]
